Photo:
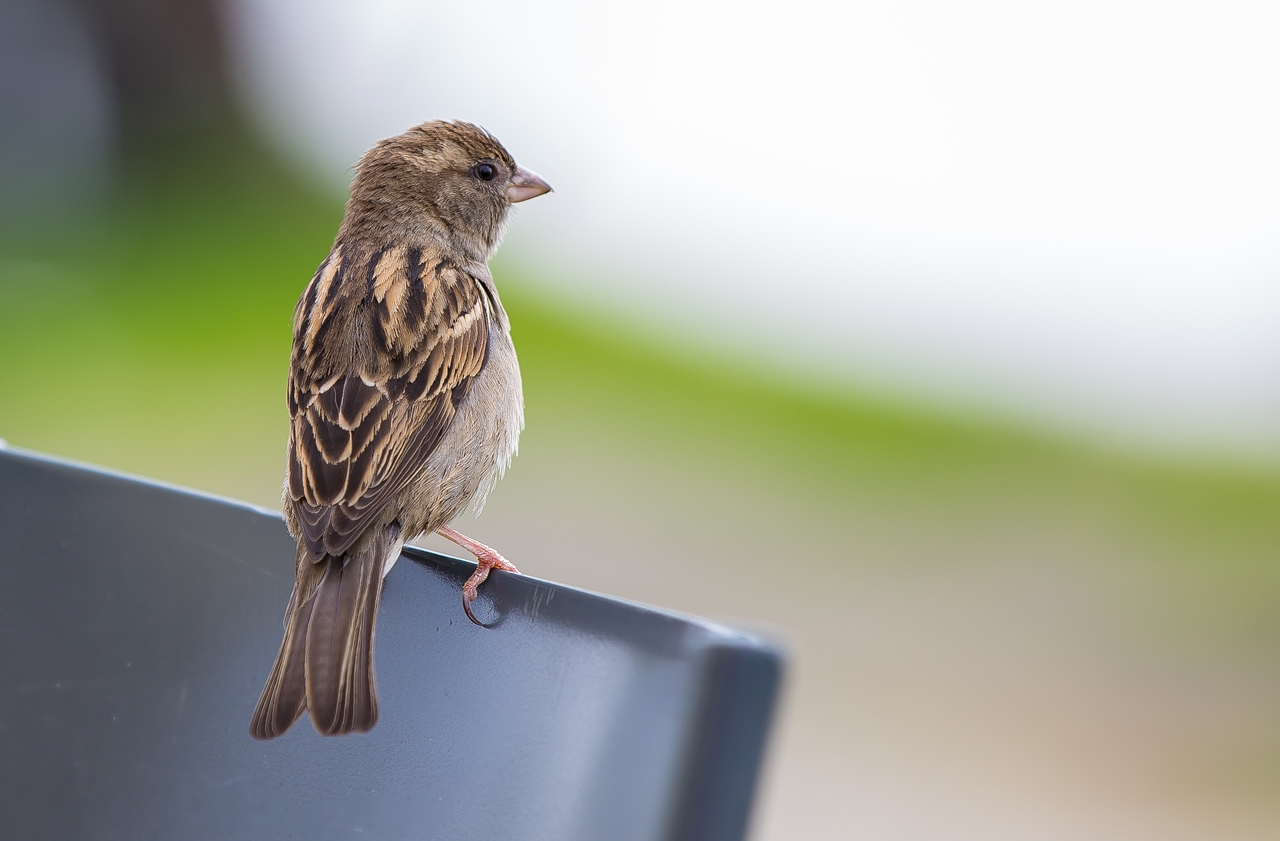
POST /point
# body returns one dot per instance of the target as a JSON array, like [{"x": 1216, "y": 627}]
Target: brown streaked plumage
[{"x": 404, "y": 395}]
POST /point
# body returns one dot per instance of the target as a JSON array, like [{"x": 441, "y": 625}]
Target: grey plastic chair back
[{"x": 138, "y": 622}]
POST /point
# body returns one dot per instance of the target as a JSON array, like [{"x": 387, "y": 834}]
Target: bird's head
[{"x": 439, "y": 181}]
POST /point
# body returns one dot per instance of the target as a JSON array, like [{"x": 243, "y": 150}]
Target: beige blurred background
[{"x": 963, "y": 385}]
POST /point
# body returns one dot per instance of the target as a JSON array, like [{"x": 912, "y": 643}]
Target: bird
[{"x": 405, "y": 405}]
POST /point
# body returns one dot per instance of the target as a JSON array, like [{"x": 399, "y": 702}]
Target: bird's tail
[{"x": 325, "y": 664}]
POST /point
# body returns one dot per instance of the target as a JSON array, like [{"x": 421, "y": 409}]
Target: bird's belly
[{"x": 476, "y": 448}]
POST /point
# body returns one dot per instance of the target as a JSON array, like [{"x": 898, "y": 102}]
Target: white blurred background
[{"x": 1064, "y": 211}]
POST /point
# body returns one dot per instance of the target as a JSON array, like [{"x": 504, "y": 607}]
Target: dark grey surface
[{"x": 138, "y": 623}]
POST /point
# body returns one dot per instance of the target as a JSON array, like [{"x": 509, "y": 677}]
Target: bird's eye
[{"x": 485, "y": 172}]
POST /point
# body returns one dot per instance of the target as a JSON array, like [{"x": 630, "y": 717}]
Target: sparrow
[{"x": 404, "y": 401}]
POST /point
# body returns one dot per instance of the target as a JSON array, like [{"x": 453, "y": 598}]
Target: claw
[{"x": 466, "y": 608}]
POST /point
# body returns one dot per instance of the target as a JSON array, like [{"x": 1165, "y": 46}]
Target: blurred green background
[{"x": 996, "y": 633}]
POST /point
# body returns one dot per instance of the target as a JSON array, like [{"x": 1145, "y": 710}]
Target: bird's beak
[{"x": 525, "y": 185}]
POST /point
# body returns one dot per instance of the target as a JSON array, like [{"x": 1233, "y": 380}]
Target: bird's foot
[
  {"x": 487, "y": 559},
  {"x": 470, "y": 590}
]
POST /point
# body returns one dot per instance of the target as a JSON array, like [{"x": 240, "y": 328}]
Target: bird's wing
[{"x": 386, "y": 344}]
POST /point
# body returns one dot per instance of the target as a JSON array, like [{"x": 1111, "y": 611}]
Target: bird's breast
[{"x": 480, "y": 442}]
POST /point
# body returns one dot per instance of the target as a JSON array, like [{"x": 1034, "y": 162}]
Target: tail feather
[
  {"x": 341, "y": 696},
  {"x": 285, "y": 695},
  {"x": 325, "y": 664}
]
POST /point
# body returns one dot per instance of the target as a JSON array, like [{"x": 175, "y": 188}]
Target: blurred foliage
[{"x": 154, "y": 338}]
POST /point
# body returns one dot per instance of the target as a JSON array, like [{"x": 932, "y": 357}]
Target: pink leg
[{"x": 488, "y": 559}]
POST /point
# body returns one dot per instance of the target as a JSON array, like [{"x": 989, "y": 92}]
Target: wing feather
[{"x": 362, "y": 426}]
